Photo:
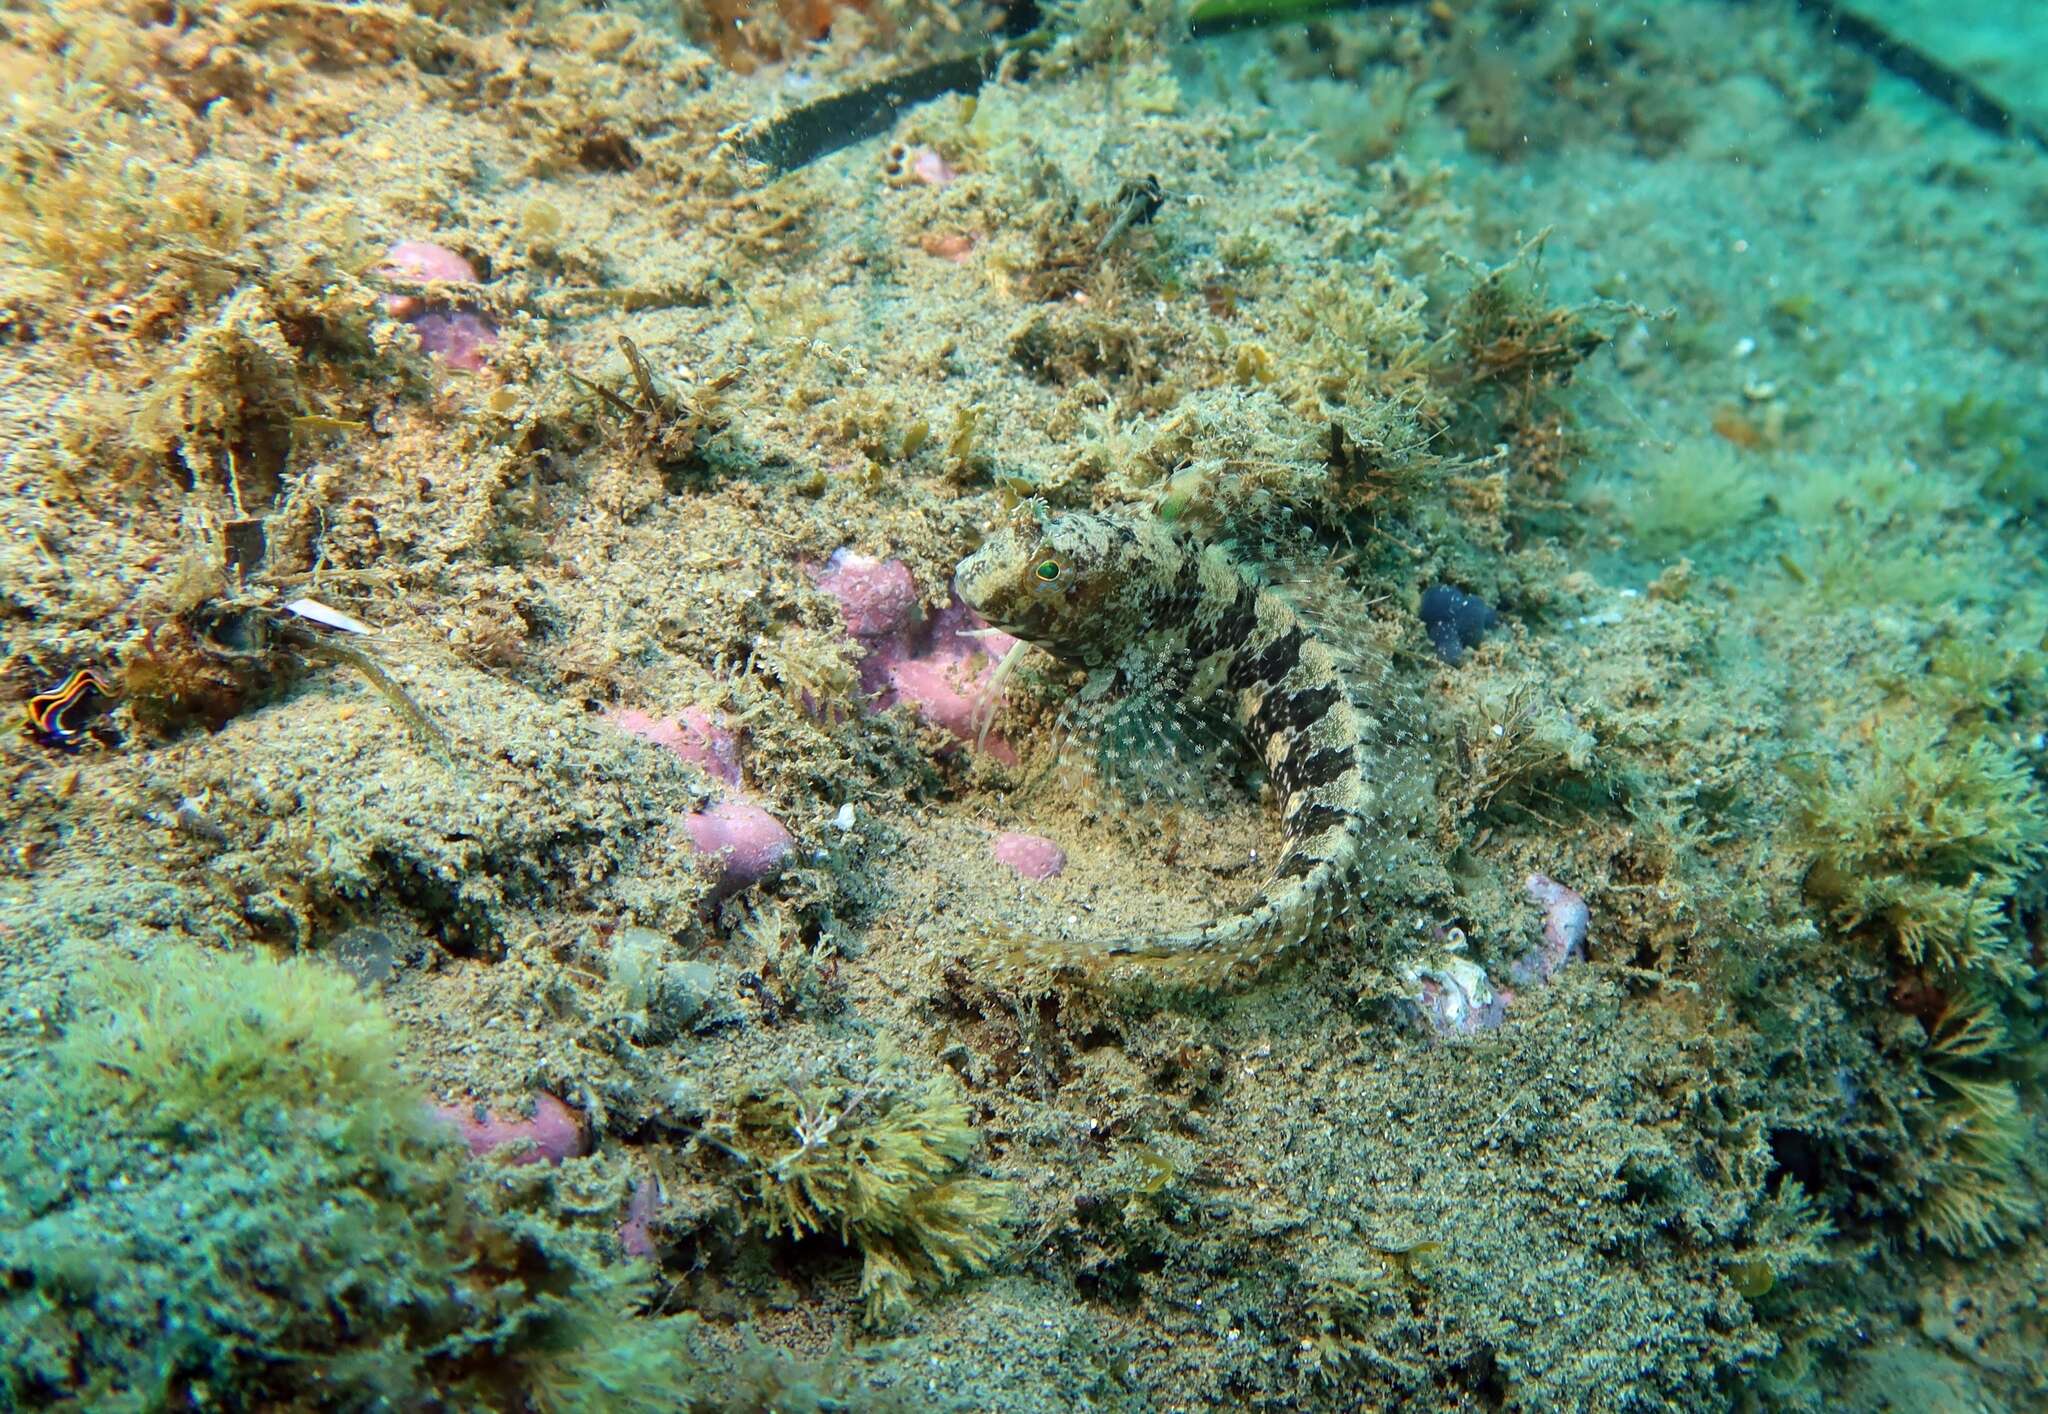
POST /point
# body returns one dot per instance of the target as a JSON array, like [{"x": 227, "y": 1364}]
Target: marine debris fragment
[
  {"x": 1455, "y": 996},
  {"x": 424, "y": 727},
  {"x": 662, "y": 426},
  {"x": 1137, "y": 202}
]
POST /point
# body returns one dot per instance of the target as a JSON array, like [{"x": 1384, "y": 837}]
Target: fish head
[{"x": 1073, "y": 584}]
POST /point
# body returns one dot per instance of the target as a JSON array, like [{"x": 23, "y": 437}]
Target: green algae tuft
[
  {"x": 880, "y": 1167},
  {"x": 1921, "y": 843},
  {"x": 218, "y": 1180}
]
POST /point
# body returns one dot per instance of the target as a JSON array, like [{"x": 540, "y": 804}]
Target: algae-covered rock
[{"x": 218, "y": 1186}]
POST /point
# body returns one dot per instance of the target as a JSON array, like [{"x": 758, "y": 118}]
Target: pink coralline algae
[
  {"x": 636, "y": 1230},
  {"x": 1565, "y": 918},
  {"x": 1033, "y": 856},
  {"x": 946, "y": 668},
  {"x": 749, "y": 843},
  {"x": 877, "y": 598},
  {"x": 554, "y": 1133},
  {"x": 951, "y": 680},
  {"x": 697, "y": 736},
  {"x": 456, "y": 334}
]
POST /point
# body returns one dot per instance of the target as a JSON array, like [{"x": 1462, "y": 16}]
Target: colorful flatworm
[{"x": 57, "y": 717}]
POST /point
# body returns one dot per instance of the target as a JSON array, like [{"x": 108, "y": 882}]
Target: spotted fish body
[{"x": 1125, "y": 594}]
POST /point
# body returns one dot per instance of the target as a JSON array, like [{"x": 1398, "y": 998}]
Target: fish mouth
[
  {"x": 971, "y": 584},
  {"x": 997, "y": 621},
  {"x": 976, "y": 579}
]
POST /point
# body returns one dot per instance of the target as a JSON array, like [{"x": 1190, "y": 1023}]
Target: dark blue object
[{"x": 1455, "y": 620}]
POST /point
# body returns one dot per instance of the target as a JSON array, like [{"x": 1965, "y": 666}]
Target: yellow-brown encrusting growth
[{"x": 1148, "y": 609}]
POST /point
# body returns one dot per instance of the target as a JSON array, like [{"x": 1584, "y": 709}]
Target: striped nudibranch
[{"x": 1130, "y": 597}]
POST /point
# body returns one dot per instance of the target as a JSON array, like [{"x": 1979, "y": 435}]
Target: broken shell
[{"x": 313, "y": 611}]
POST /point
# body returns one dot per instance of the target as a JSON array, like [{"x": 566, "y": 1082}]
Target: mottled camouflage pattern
[{"x": 1092, "y": 588}]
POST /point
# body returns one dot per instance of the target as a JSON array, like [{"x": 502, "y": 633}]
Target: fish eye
[{"x": 1048, "y": 571}]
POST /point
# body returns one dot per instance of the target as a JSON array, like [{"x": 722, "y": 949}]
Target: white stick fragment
[{"x": 314, "y": 611}]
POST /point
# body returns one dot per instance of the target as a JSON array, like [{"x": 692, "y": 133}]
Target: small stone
[
  {"x": 1565, "y": 922},
  {"x": 944, "y": 667},
  {"x": 695, "y": 987},
  {"x": 955, "y": 246},
  {"x": 366, "y": 954},
  {"x": 931, "y": 169},
  {"x": 636, "y": 1230}
]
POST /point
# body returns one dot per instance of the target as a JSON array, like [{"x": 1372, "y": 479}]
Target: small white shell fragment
[
  {"x": 314, "y": 611},
  {"x": 1465, "y": 987},
  {"x": 844, "y": 819}
]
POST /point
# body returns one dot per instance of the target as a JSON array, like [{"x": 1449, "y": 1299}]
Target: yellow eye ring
[{"x": 1048, "y": 570}]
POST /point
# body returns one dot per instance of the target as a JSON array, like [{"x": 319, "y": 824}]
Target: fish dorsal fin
[{"x": 1335, "y": 612}]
